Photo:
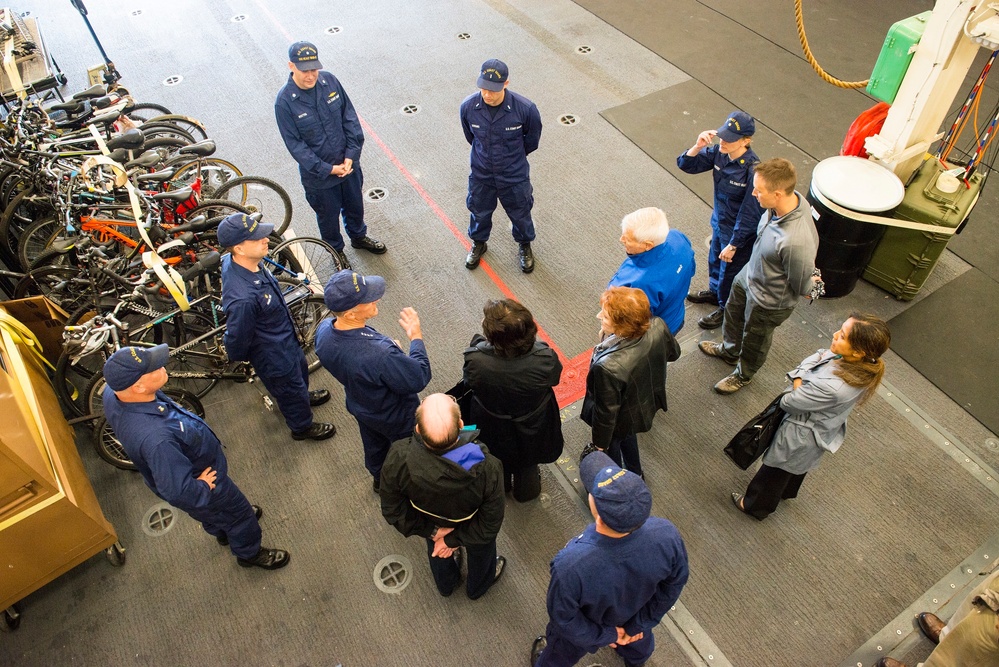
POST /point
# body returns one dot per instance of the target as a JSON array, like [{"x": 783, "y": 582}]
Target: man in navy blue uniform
[
  {"x": 179, "y": 457},
  {"x": 503, "y": 128},
  {"x": 322, "y": 132},
  {"x": 259, "y": 328},
  {"x": 660, "y": 262},
  {"x": 613, "y": 583},
  {"x": 736, "y": 213},
  {"x": 380, "y": 381}
]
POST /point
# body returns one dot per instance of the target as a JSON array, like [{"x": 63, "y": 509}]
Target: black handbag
[
  {"x": 753, "y": 438},
  {"x": 463, "y": 395}
]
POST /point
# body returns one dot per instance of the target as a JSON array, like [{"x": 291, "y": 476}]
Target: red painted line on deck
[{"x": 572, "y": 385}]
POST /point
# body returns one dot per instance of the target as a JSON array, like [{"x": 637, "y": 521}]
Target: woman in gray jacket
[{"x": 826, "y": 387}]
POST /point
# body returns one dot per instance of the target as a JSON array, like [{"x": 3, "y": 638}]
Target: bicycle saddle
[
  {"x": 130, "y": 139},
  {"x": 156, "y": 176},
  {"x": 69, "y": 107},
  {"x": 147, "y": 159},
  {"x": 202, "y": 148},
  {"x": 96, "y": 90},
  {"x": 174, "y": 195}
]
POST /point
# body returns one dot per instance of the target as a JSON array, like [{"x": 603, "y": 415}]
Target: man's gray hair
[{"x": 647, "y": 224}]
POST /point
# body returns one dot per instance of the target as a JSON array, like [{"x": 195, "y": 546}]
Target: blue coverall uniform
[
  {"x": 259, "y": 330},
  {"x": 320, "y": 128},
  {"x": 171, "y": 447},
  {"x": 736, "y": 212},
  {"x": 664, "y": 274},
  {"x": 380, "y": 383},
  {"x": 501, "y": 140},
  {"x": 601, "y": 583}
]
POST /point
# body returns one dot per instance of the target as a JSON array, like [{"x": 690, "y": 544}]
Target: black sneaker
[
  {"x": 318, "y": 397},
  {"x": 268, "y": 559},
  {"x": 318, "y": 431},
  {"x": 369, "y": 244},
  {"x": 376, "y": 484},
  {"x": 224, "y": 539},
  {"x": 475, "y": 254},
  {"x": 526, "y": 258},
  {"x": 713, "y": 320},
  {"x": 704, "y": 296}
]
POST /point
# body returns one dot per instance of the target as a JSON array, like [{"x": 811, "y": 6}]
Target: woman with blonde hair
[{"x": 826, "y": 387}]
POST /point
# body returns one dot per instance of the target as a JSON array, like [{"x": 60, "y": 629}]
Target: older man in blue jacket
[
  {"x": 323, "y": 133},
  {"x": 503, "y": 128},
  {"x": 660, "y": 262}
]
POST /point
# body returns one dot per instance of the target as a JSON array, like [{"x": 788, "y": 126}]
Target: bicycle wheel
[
  {"x": 36, "y": 238},
  {"x": 306, "y": 316},
  {"x": 259, "y": 195},
  {"x": 65, "y": 286},
  {"x": 153, "y": 130},
  {"x": 214, "y": 173},
  {"x": 145, "y": 110},
  {"x": 191, "y": 126},
  {"x": 317, "y": 259},
  {"x": 24, "y": 209},
  {"x": 110, "y": 449},
  {"x": 216, "y": 208}
]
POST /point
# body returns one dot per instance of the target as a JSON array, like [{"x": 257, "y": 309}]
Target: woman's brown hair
[
  {"x": 628, "y": 310},
  {"x": 870, "y": 337}
]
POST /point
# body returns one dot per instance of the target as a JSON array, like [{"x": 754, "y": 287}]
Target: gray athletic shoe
[{"x": 732, "y": 383}]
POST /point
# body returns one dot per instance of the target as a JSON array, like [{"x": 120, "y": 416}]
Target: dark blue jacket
[
  {"x": 664, "y": 274},
  {"x": 320, "y": 129},
  {"x": 601, "y": 583},
  {"x": 258, "y": 324},
  {"x": 170, "y": 446},
  {"x": 501, "y": 144},
  {"x": 737, "y": 212},
  {"x": 380, "y": 381}
]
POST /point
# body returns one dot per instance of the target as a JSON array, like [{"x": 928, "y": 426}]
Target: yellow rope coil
[{"x": 811, "y": 59}]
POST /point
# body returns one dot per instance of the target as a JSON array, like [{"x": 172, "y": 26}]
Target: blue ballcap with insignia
[
  {"x": 127, "y": 365},
  {"x": 305, "y": 56},
  {"x": 239, "y": 227},
  {"x": 739, "y": 124},
  {"x": 493, "y": 75},
  {"x": 623, "y": 500},
  {"x": 346, "y": 289}
]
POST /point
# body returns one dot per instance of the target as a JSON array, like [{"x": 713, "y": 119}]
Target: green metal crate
[{"x": 905, "y": 258}]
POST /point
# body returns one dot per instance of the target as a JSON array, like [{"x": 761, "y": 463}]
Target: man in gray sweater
[{"x": 779, "y": 272}]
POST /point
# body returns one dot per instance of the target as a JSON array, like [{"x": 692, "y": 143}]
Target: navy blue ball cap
[
  {"x": 623, "y": 500},
  {"x": 738, "y": 125},
  {"x": 305, "y": 56},
  {"x": 127, "y": 365},
  {"x": 346, "y": 289},
  {"x": 493, "y": 75},
  {"x": 239, "y": 227}
]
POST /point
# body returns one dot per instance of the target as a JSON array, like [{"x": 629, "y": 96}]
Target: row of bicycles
[{"x": 110, "y": 209}]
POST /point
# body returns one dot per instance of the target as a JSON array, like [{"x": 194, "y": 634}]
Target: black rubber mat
[{"x": 951, "y": 338}]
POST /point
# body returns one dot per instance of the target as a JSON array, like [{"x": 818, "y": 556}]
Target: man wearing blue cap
[
  {"x": 503, "y": 128},
  {"x": 259, "y": 327},
  {"x": 178, "y": 456},
  {"x": 380, "y": 381},
  {"x": 614, "y": 582},
  {"x": 322, "y": 132},
  {"x": 736, "y": 213}
]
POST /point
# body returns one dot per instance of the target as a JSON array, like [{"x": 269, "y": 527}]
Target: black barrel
[{"x": 846, "y": 244}]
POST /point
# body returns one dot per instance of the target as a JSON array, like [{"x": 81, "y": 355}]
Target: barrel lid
[{"x": 858, "y": 184}]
